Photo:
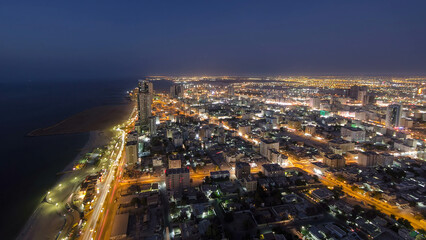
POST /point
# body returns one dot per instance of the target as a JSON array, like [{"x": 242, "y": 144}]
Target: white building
[
  {"x": 353, "y": 134},
  {"x": 266, "y": 145}
]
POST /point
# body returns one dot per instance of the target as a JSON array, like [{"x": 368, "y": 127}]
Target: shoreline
[
  {"x": 97, "y": 118},
  {"x": 46, "y": 220},
  {"x": 96, "y": 139}
]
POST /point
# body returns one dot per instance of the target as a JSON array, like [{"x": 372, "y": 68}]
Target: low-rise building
[
  {"x": 353, "y": 134},
  {"x": 244, "y": 129},
  {"x": 322, "y": 194},
  {"x": 220, "y": 174},
  {"x": 132, "y": 152},
  {"x": 249, "y": 183},
  {"x": 266, "y": 145},
  {"x": 310, "y": 129},
  {"x": 367, "y": 159},
  {"x": 242, "y": 170},
  {"x": 272, "y": 170},
  {"x": 385, "y": 159},
  {"x": 334, "y": 161},
  {"x": 340, "y": 146}
]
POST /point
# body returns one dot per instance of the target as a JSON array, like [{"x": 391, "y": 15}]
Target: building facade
[
  {"x": 368, "y": 159},
  {"x": 177, "y": 179},
  {"x": 353, "y": 134},
  {"x": 334, "y": 161},
  {"x": 132, "y": 152},
  {"x": 266, "y": 145},
  {"x": 145, "y": 93},
  {"x": 176, "y": 91},
  {"x": 314, "y": 103},
  {"x": 242, "y": 170},
  {"x": 393, "y": 116},
  {"x": 272, "y": 170}
]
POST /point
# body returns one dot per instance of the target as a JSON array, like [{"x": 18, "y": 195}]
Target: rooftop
[
  {"x": 241, "y": 164},
  {"x": 269, "y": 141},
  {"x": 177, "y": 171},
  {"x": 272, "y": 167},
  {"x": 339, "y": 141}
]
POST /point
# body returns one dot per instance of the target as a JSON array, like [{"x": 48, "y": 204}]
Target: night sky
[{"x": 110, "y": 39}]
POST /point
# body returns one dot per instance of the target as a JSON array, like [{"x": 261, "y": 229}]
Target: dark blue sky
[{"x": 110, "y": 39}]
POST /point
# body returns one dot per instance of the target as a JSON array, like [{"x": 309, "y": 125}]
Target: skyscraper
[
  {"x": 314, "y": 103},
  {"x": 393, "y": 116},
  {"x": 176, "y": 91},
  {"x": 362, "y": 92},
  {"x": 145, "y": 92},
  {"x": 152, "y": 125},
  {"x": 231, "y": 91},
  {"x": 353, "y": 92},
  {"x": 368, "y": 99}
]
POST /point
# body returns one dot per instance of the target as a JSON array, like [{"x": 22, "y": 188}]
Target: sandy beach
[
  {"x": 49, "y": 220},
  {"x": 96, "y": 139},
  {"x": 94, "y": 119}
]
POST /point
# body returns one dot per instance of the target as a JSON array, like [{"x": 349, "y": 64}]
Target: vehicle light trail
[
  {"x": 116, "y": 167},
  {"x": 91, "y": 224},
  {"x": 106, "y": 214}
]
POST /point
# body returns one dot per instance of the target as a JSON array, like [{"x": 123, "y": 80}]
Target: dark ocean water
[{"x": 28, "y": 165}]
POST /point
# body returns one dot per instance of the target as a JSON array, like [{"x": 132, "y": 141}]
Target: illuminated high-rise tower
[
  {"x": 145, "y": 93},
  {"x": 231, "y": 91},
  {"x": 177, "y": 91},
  {"x": 393, "y": 116}
]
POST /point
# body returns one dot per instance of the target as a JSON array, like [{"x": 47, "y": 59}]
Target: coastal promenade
[
  {"x": 51, "y": 215},
  {"x": 114, "y": 173},
  {"x": 52, "y": 219}
]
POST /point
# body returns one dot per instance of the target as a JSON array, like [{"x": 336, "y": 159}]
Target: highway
[
  {"x": 91, "y": 223},
  {"x": 114, "y": 173}
]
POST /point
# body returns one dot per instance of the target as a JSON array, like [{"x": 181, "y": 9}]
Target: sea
[{"x": 29, "y": 165}]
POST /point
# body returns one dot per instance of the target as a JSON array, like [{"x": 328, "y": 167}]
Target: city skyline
[
  {"x": 293, "y": 157},
  {"x": 112, "y": 40},
  {"x": 224, "y": 120}
]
